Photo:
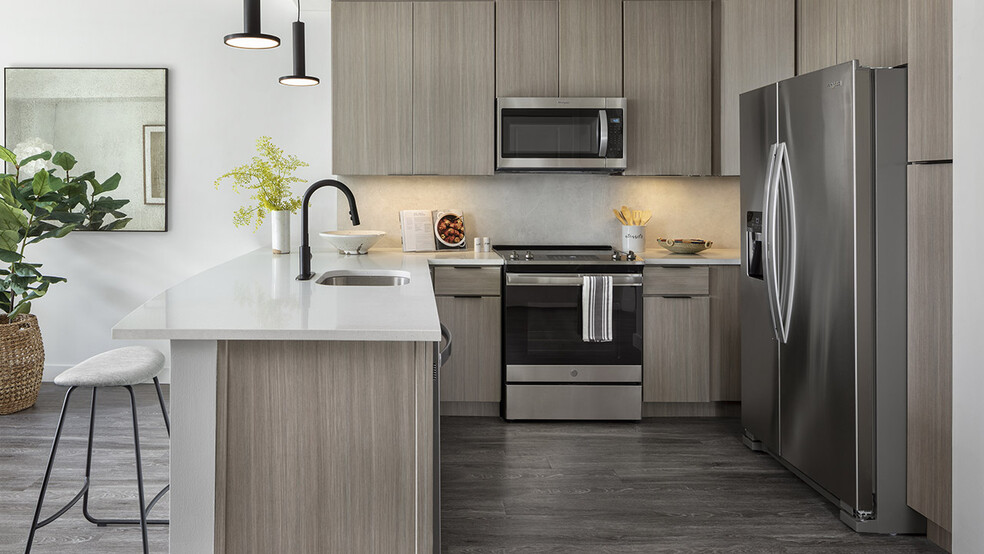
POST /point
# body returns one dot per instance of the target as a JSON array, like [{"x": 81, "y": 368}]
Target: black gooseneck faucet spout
[{"x": 306, "y": 273}]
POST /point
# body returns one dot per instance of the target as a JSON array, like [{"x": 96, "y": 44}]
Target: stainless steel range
[{"x": 552, "y": 371}]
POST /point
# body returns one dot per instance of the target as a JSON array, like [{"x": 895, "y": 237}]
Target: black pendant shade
[
  {"x": 299, "y": 78},
  {"x": 251, "y": 38}
]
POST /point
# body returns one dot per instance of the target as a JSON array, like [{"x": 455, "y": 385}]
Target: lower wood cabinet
[
  {"x": 474, "y": 372},
  {"x": 676, "y": 357},
  {"x": 691, "y": 344}
]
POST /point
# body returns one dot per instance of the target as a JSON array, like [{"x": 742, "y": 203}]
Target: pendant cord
[{"x": 298, "y": 10}]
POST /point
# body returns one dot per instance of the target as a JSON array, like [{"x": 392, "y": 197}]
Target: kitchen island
[{"x": 302, "y": 414}]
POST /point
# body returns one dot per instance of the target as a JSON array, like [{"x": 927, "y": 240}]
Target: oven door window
[
  {"x": 543, "y": 327},
  {"x": 550, "y": 133}
]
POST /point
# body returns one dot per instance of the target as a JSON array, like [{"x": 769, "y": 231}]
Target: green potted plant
[
  {"x": 37, "y": 204},
  {"x": 268, "y": 177}
]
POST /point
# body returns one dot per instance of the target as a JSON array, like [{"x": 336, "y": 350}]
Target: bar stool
[{"x": 122, "y": 367}]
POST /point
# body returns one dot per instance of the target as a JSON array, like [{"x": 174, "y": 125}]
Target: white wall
[
  {"x": 220, "y": 100},
  {"x": 968, "y": 272}
]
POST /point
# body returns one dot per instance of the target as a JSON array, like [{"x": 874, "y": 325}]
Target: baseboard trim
[
  {"x": 472, "y": 409},
  {"x": 691, "y": 409}
]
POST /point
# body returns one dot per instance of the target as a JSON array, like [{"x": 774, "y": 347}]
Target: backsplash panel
[{"x": 553, "y": 209}]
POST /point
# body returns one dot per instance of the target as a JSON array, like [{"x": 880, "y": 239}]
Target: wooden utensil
[
  {"x": 646, "y": 216},
  {"x": 637, "y": 217},
  {"x": 619, "y": 217},
  {"x": 626, "y": 214}
]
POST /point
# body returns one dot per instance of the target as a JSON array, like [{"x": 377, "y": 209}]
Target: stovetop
[{"x": 563, "y": 255}]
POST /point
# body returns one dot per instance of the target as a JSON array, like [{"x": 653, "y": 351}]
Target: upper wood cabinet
[
  {"x": 526, "y": 43},
  {"x": 371, "y": 87},
  {"x": 590, "y": 47},
  {"x": 757, "y": 45},
  {"x": 836, "y": 31},
  {"x": 930, "y": 80},
  {"x": 453, "y": 88},
  {"x": 667, "y": 57}
]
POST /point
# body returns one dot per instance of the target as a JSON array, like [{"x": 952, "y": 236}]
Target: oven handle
[{"x": 576, "y": 280}]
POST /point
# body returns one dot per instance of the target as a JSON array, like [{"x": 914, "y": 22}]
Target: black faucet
[{"x": 306, "y": 273}]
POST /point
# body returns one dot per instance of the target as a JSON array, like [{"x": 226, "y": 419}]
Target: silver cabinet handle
[
  {"x": 445, "y": 354},
  {"x": 602, "y": 133}
]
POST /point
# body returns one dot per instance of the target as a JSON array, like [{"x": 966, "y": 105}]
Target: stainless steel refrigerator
[{"x": 823, "y": 288}]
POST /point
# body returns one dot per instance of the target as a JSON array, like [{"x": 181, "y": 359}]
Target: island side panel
[
  {"x": 322, "y": 447},
  {"x": 425, "y": 426},
  {"x": 193, "y": 425}
]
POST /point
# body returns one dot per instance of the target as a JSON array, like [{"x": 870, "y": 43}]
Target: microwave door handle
[{"x": 602, "y": 133}]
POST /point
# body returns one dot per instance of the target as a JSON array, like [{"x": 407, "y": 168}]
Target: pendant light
[
  {"x": 251, "y": 38},
  {"x": 299, "y": 78}
]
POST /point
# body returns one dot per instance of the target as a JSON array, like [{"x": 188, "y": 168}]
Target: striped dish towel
[{"x": 596, "y": 299}]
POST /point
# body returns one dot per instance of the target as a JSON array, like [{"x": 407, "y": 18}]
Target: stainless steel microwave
[{"x": 560, "y": 134}]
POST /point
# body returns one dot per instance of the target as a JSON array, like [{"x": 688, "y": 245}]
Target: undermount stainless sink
[{"x": 355, "y": 278}]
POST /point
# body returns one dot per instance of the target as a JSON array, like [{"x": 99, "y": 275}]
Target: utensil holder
[{"x": 634, "y": 238}]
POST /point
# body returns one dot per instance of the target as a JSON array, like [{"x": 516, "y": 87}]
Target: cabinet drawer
[
  {"x": 676, "y": 281},
  {"x": 470, "y": 280}
]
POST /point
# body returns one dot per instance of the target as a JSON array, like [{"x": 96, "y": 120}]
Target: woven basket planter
[{"x": 21, "y": 363}]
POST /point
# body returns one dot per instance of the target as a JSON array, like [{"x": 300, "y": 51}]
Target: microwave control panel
[{"x": 614, "y": 134}]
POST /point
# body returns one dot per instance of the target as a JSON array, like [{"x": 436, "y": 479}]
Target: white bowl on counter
[{"x": 354, "y": 241}]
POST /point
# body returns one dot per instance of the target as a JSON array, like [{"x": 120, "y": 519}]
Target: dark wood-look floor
[
  {"x": 665, "y": 485},
  {"x": 25, "y": 440}
]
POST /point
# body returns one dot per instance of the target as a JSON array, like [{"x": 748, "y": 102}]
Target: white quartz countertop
[
  {"x": 256, "y": 297},
  {"x": 711, "y": 256}
]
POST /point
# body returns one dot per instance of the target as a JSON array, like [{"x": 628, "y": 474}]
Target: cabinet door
[
  {"x": 668, "y": 87},
  {"x": 725, "y": 337},
  {"x": 453, "y": 88},
  {"x": 837, "y": 31},
  {"x": 526, "y": 57},
  {"x": 872, "y": 31},
  {"x": 590, "y": 48},
  {"x": 371, "y": 88},
  {"x": 676, "y": 364},
  {"x": 930, "y": 337},
  {"x": 930, "y": 80},
  {"x": 474, "y": 372},
  {"x": 816, "y": 35},
  {"x": 757, "y": 48}
]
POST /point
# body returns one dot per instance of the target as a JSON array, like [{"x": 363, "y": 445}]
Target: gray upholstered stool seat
[{"x": 129, "y": 365}]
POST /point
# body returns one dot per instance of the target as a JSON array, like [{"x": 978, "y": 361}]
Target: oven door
[
  {"x": 558, "y": 133},
  {"x": 542, "y": 318}
]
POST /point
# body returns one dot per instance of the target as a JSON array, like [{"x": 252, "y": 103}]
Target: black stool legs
[{"x": 84, "y": 492}]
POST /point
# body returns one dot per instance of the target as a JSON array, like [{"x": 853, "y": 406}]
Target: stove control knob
[
  {"x": 529, "y": 255},
  {"x": 514, "y": 255},
  {"x": 615, "y": 256},
  {"x": 630, "y": 256}
]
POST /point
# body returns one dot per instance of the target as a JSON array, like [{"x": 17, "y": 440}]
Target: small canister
[
  {"x": 478, "y": 244},
  {"x": 486, "y": 244},
  {"x": 634, "y": 238}
]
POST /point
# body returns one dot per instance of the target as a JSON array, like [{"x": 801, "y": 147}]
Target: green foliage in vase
[
  {"x": 45, "y": 206},
  {"x": 268, "y": 177}
]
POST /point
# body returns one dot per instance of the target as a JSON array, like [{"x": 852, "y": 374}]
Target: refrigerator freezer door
[
  {"x": 818, "y": 362},
  {"x": 759, "y": 349}
]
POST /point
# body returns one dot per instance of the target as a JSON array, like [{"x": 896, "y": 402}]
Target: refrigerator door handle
[
  {"x": 787, "y": 263},
  {"x": 769, "y": 238}
]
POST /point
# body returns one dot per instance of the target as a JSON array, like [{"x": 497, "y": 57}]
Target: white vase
[{"x": 280, "y": 222}]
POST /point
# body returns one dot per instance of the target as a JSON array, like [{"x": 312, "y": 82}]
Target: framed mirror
[{"x": 111, "y": 120}]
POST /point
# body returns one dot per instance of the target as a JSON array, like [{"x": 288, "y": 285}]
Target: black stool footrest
[{"x": 66, "y": 507}]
